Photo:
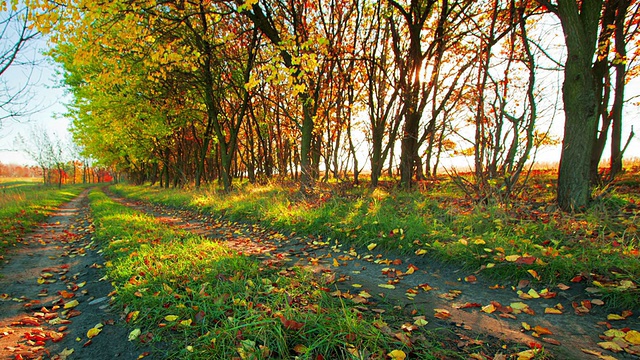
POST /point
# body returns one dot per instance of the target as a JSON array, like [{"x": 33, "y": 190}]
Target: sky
[{"x": 44, "y": 98}]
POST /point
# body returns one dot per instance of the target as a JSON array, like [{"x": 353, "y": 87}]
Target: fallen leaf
[
  {"x": 527, "y": 354},
  {"x": 534, "y": 294},
  {"x": 542, "y": 330},
  {"x": 633, "y": 337},
  {"x": 372, "y": 246},
  {"x": 397, "y": 355},
  {"x": 420, "y": 321},
  {"x": 615, "y": 317},
  {"x": 563, "y": 287},
  {"x": 489, "y": 308},
  {"x": 512, "y": 258},
  {"x": 610, "y": 345},
  {"x": 132, "y": 316},
  {"x": 387, "y": 286},
  {"x": 93, "y": 332},
  {"x": 65, "y": 353},
  {"x": 171, "y": 317},
  {"x": 134, "y": 334},
  {"x": 552, "y": 311},
  {"x": 71, "y": 304},
  {"x": 442, "y": 314}
]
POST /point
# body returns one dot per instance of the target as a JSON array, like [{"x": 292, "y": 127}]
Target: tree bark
[{"x": 580, "y": 27}]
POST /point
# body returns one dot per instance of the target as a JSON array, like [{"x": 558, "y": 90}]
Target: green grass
[
  {"x": 601, "y": 244},
  {"x": 24, "y": 204},
  {"x": 199, "y": 300}
]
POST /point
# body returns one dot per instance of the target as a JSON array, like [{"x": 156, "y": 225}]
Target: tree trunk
[{"x": 580, "y": 28}]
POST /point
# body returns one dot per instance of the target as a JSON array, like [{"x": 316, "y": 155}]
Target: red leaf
[
  {"x": 526, "y": 260},
  {"x": 291, "y": 324}
]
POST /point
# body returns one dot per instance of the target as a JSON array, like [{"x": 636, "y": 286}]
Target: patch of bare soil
[
  {"x": 53, "y": 291},
  {"x": 569, "y": 322}
]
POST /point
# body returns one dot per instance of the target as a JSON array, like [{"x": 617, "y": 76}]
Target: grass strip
[
  {"x": 207, "y": 302},
  {"x": 530, "y": 239}
]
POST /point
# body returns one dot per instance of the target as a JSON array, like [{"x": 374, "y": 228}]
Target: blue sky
[{"x": 45, "y": 103}]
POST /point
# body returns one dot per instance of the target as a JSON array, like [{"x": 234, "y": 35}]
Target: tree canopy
[{"x": 210, "y": 90}]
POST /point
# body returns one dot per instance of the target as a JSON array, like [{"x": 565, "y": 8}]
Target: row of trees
[
  {"x": 182, "y": 91},
  {"x": 73, "y": 172},
  {"x": 60, "y": 162}
]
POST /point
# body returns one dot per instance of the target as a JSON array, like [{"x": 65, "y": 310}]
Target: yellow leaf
[
  {"x": 614, "y": 333},
  {"x": 512, "y": 258},
  {"x": 421, "y": 321},
  {"x": 167, "y": 288},
  {"x": 387, "y": 286},
  {"x": 134, "y": 334},
  {"x": 171, "y": 317},
  {"x": 534, "y": 274},
  {"x": 489, "y": 309},
  {"x": 614, "y": 317},
  {"x": 518, "y": 306},
  {"x": 71, "y": 304},
  {"x": 357, "y": 286},
  {"x": 479, "y": 242},
  {"x": 633, "y": 337},
  {"x": 421, "y": 252},
  {"x": 93, "y": 332},
  {"x": 397, "y": 355},
  {"x": 372, "y": 246},
  {"x": 65, "y": 353},
  {"x": 610, "y": 345},
  {"x": 335, "y": 262},
  {"x": 527, "y": 354},
  {"x": 186, "y": 322},
  {"x": 526, "y": 326},
  {"x": 410, "y": 270},
  {"x": 534, "y": 294}
]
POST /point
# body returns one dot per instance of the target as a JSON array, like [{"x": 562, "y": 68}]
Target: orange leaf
[
  {"x": 442, "y": 314},
  {"x": 66, "y": 294},
  {"x": 552, "y": 311},
  {"x": 542, "y": 330}
]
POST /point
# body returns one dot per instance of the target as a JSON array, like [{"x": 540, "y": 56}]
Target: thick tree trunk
[{"x": 580, "y": 27}]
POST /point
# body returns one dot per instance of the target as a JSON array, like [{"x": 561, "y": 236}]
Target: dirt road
[{"x": 52, "y": 292}]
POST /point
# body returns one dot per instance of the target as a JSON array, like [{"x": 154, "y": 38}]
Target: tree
[
  {"x": 15, "y": 34},
  {"x": 580, "y": 23}
]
